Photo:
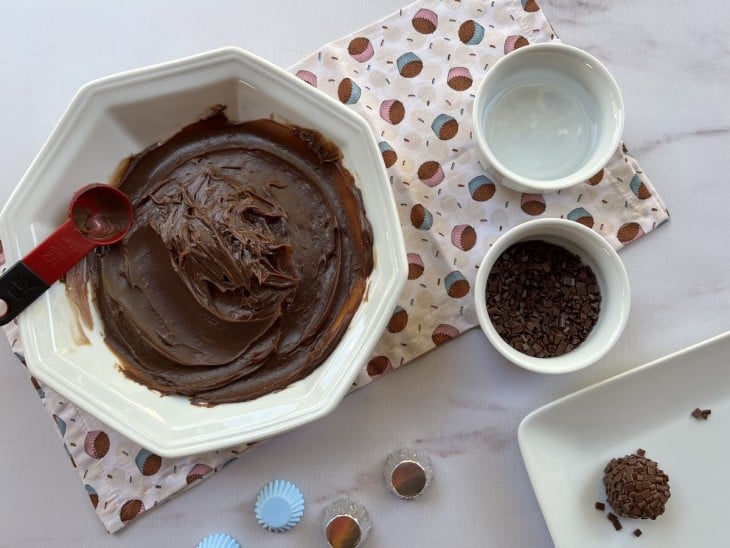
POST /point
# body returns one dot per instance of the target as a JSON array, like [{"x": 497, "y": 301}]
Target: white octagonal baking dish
[{"x": 114, "y": 117}]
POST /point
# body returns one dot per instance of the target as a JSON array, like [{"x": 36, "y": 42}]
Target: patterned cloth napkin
[{"x": 413, "y": 77}]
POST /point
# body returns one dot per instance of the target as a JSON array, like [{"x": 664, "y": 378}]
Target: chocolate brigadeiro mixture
[
  {"x": 636, "y": 487},
  {"x": 542, "y": 299},
  {"x": 248, "y": 256}
]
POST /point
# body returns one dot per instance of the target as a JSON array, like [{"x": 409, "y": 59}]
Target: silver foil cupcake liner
[
  {"x": 408, "y": 473},
  {"x": 345, "y": 524}
]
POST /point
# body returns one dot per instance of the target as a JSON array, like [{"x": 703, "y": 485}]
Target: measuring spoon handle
[
  {"x": 19, "y": 287},
  {"x": 29, "y": 278}
]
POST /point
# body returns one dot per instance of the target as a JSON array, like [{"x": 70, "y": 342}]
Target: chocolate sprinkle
[
  {"x": 701, "y": 414},
  {"x": 600, "y": 506},
  {"x": 636, "y": 487},
  {"x": 542, "y": 299},
  {"x": 614, "y": 519},
  {"x": 637, "y": 532}
]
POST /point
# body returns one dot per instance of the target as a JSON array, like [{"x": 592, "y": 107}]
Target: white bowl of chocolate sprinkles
[{"x": 552, "y": 296}]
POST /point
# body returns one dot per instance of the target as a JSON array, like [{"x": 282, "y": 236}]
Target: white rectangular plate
[{"x": 567, "y": 443}]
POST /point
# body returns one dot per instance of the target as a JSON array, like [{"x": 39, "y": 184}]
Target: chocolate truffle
[{"x": 636, "y": 487}]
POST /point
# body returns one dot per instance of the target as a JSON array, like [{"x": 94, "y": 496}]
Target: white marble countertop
[{"x": 672, "y": 61}]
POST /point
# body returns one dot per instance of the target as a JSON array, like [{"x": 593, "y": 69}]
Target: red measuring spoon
[{"x": 99, "y": 214}]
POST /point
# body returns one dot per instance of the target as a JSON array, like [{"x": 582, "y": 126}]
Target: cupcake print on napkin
[
  {"x": 121, "y": 479},
  {"x": 414, "y": 77}
]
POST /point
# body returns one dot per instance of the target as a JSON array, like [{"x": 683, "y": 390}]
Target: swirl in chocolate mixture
[{"x": 248, "y": 255}]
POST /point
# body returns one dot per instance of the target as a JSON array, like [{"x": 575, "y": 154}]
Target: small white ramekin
[
  {"x": 612, "y": 279},
  {"x": 586, "y": 83}
]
